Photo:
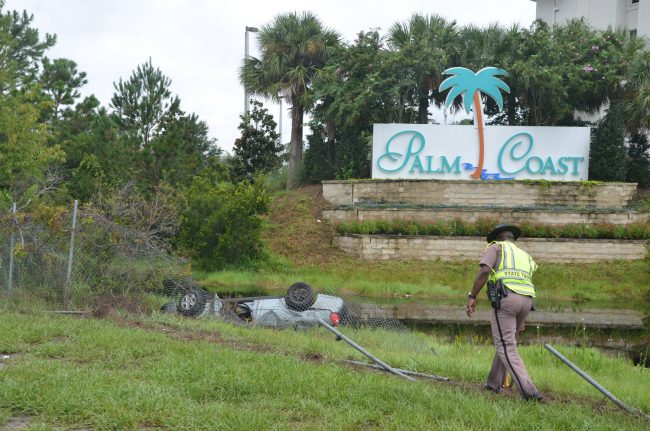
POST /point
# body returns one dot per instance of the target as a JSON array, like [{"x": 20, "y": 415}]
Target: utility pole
[{"x": 251, "y": 30}]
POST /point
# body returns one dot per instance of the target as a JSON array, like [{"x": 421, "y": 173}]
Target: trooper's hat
[{"x": 492, "y": 236}]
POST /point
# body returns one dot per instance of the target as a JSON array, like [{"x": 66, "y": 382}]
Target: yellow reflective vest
[{"x": 515, "y": 269}]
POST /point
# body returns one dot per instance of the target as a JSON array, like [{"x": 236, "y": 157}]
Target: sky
[{"x": 199, "y": 44}]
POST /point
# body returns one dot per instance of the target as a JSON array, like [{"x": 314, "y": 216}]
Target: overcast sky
[{"x": 199, "y": 44}]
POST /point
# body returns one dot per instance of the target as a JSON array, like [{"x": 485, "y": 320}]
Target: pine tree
[
  {"x": 61, "y": 81},
  {"x": 142, "y": 103}
]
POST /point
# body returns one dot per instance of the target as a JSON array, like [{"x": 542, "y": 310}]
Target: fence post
[
  {"x": 11, "y": 252},
  {"x": 70, "y": 256}
]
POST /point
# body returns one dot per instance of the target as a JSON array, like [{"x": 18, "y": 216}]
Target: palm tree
[
  {"x": 427, "y": 45},
  {"x": 464, "y": 82},
  {"x": 294, "y": 50},
  {"x": 636, "y": 96},
  {"x": 497, "y": 46}
]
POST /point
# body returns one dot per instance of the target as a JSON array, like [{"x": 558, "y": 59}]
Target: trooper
[{"x": 508, "y": 271}]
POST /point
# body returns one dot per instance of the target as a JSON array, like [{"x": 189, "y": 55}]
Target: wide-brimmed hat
[{"x": 492, "y": 236}]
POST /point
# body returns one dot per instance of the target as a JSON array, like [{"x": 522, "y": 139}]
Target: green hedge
[{"x": 458, "y": 227}]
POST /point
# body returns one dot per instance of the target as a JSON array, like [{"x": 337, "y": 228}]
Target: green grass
[
  {"x": 615, "y": 284},
  {"x": 165, "y": 372}
]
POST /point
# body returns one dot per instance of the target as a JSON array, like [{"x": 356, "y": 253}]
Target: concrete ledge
[
  {"x": 513, "y": 215},
  {"x": 417, "y": 247},
  {"x": 479, "y": 193},
  {"x": 594, "y": 318}
]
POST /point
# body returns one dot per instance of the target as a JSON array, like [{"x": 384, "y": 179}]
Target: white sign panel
[{"x": 423, "y": 151}]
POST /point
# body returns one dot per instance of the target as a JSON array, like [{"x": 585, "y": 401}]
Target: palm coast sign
[{"x": 423, "y": 151}]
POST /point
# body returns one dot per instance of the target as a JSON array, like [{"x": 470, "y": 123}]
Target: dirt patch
[
  {"x": 312, "y": 357},
  {"x": 187, "y": 335},
  {"x": 108, "y": 306},
  {"x": 16, "y": 423}
]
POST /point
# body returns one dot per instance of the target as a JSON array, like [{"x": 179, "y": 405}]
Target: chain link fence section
[
  {"x": 33, "y": 257},
  {"x": 108, "y": 259}
]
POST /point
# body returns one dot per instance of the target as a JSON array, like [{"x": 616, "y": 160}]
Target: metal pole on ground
[
  {"x": 595, "y": 383},
  {"x": 362, "y": 350},
  {"x": 10, "y": 281},
  {"x": 70, "y": 256},
  {"x": 407, "y": 372}
]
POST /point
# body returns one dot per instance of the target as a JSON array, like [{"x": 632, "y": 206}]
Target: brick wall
[
  {"x": 478, "y": 193},
  {"x": 389, "y": 247}
]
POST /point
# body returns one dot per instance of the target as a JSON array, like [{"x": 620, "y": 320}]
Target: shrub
[
  {"x": 608, "y": 155},
  {"x": 318, "y": 160},
  {"x": 638, "y": 168},
  {"x": 221, "y": 224}
]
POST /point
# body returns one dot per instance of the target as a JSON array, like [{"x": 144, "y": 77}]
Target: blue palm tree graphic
[{"x": 465, "y": 82}]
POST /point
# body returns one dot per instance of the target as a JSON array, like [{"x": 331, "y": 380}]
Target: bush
[
  {"x": 638, "y": 168},
  {"x": 608, "y": 155},
  {"x": 318, "y": 161},
  {"x": 221, "y": 224}
]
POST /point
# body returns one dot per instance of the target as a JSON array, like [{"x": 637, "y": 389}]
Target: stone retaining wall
[
  {"x": 513, "y": 215},
  {"x": 389, "y": 247},
  {"x": 478, "y": 193}
]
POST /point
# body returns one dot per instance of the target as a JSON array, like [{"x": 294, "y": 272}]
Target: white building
[{"x": 634, "y": 15}]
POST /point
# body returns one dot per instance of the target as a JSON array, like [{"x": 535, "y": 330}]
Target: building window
[{"x": 633, "y": 33}]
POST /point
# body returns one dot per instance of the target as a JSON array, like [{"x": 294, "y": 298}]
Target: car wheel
[
  {"x": 300, "y": 296},
  {"x": 192, "y": 303}
]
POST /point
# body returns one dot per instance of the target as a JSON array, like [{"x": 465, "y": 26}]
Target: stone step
[
  {"x": 554, "y": 216},
  {"x": 453, "y": 248},
  {"x": 479, "y": 193}
]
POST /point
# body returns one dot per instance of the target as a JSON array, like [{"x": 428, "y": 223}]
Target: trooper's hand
[
  {"x": 471, "y": 307},
  {"x": 521, "y": 329}
]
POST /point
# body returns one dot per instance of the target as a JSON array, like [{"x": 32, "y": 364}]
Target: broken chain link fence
[{"x": 40, "y": 258}]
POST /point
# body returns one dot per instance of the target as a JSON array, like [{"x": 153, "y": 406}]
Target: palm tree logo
[{"x": 464, "y": 82}]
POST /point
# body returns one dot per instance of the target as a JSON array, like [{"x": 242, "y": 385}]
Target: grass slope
[{"x": 165, "y": 372}]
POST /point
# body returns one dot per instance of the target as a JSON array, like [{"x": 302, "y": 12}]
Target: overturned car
[{"x": 300, "y": 307}]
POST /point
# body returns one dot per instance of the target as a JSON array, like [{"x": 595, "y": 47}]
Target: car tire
[
  {"x": 192, "y": 302},
  {"x": 300, "y": 296}
]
